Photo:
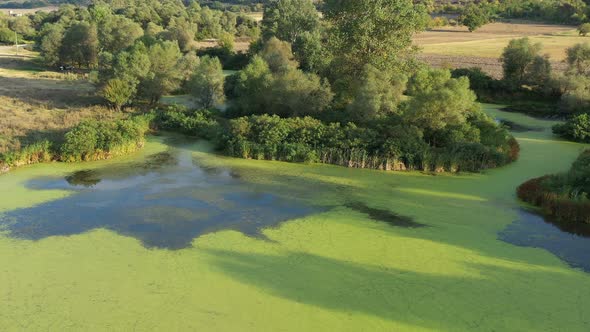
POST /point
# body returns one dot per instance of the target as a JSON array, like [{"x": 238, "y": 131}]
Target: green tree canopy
[
  {"x": 441, "y": 105},
  {"x": 80, "y": 45},
  {"x": 374, "y": 32},
  {"x": 288, "y": 19},
  {"x": 520, "y": 61},
  {"x": 206, "y": 83}
]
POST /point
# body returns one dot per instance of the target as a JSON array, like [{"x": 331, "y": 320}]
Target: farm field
[{"x": 457, "y": 47}]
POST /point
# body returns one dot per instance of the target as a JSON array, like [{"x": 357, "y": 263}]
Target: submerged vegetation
[{"x": 562, "y": 196}]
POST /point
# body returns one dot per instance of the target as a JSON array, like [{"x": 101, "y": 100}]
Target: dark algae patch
[
  {"x": 165, "y": 201},
  {"x": 519, "y": 128},
  {"x": 568, "y": 241},
  {"x": 384, "y": 215}
]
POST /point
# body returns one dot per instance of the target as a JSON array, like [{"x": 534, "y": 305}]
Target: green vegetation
[
  {"x": 474, "y": 17},
  {"x": 575, "y": 129},
  {"x": 89, "y": 140},
  {"x": 563, "y": 196},
  {"x": 584, "y": 29},
  {"x": 336, "y": 270},
  {"x": 92, "y": 140}
]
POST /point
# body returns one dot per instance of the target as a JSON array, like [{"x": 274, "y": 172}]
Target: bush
[
  {"x": 93, "y": 140},
  {"x": 584, "y": 29},
  {"x": 575, "y": 129},
  {"x": 201, "y": 124},
  {"x": 563, "y": 196}
]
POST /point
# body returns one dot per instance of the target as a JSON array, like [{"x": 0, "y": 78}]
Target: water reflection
[
  {"x": 568, "y": 241},
  {"x": 165, "y": 201}
]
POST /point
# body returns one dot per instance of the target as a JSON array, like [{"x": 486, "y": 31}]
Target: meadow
[
  {"x": 340, "y": 269},
  {"x": 37, "y": 103}
]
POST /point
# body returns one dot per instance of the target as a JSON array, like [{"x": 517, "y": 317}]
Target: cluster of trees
[
  {"x": 91, "y": 36},
  {"x": 13, "y": 28},
  {"x": 565, "y": 197}
]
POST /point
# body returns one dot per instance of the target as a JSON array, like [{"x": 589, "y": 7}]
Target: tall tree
[
  {"x": 288, "y": 19},
  {"x": 578, "y": 58},
  {"x": 206, "y": 84},
  {"x": 519, "y": 60},
  {"x": 164, "y": 74},
  {"x": 80, "y": 45},
  {"x": 374, "y": 32}
]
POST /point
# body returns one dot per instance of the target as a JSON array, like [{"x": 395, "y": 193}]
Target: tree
[
  {"x": 310, "y": 52},
  {"x": 288, "y": 19},
  {"x": 278, "y": 55},
  {"x": 118, "y": 92},
  {"x": 118, "y": 33},
  {"x": 374, "y": 32},
  {"x": 518, "y": 58},
  {"x": 22, "y": 25},
  {"x": 182, "y": 31},
  {"x": 164, "y": 75},
  {"x": 584, "y": 29},
  {"x": 441, "y": 105},
  {"x": 474, "y": 17},
  {"x": 6, "y": 36},
  {"x": 576, "y": 93},
  {"x": 80, "y": 45},
  {"x": 378, "y": 95},
  {"x": 50, "y": 45},
  {"x": 295, "y": 93},
  {"x": 578, "y": 59},
  {"x": 251, "y": 87},
  {"x": 206, "y": 84}
]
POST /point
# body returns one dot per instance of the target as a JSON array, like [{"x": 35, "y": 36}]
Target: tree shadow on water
[{"x": 486, "y": 298}]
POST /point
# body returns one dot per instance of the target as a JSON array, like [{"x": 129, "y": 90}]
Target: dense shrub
[
  {"x": 202, "y": 123},
  {"x": 575, "y": 129},
  {"x": 93, "y": 140},
  {"x": 563, "y": 196},
  {"x": 387, "y": 146}
]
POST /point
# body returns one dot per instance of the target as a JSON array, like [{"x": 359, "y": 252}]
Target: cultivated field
[{"x": 457, "y": 47}]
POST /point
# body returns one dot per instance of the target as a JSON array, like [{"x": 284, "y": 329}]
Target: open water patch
[
  {"x": 568, "y": 241},
  {"x": 165, "y": 201}
]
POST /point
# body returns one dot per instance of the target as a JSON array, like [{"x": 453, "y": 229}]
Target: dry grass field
[
  {"x": 457, "y": 47},
  {"x": 37, "y": 104}
]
